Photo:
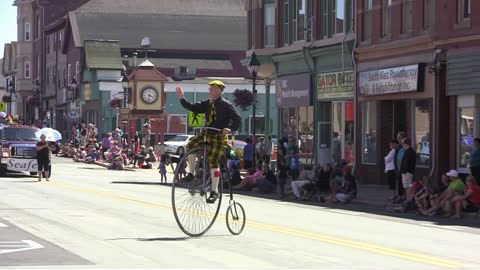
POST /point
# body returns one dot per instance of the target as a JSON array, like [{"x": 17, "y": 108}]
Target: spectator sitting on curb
[
  {"x": 417, "y": 188},
  {"x": 117, "y": 164},
  {"x": 349, "y": 189},
  {"x": 306, "y": 176},
  {"x": 455, "y": 187},
  {"x": 268, "y": 183},
  {"x": 249, "y": 181},
  {"x": 468, "y": 202},
  {"x": 140, "y": 158}
]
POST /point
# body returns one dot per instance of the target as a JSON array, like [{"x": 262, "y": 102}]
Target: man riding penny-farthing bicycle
[{"x": 199, "y": 193}]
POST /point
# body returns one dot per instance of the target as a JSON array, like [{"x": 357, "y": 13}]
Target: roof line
[{"x": 170, "y": 14}]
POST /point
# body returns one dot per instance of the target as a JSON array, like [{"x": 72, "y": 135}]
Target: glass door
[{"x": 342, "y": 131}]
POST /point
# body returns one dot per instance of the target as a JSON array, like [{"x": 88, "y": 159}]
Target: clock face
[{"x": 149, "y": 95}]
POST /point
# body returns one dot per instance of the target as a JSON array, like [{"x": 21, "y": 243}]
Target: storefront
[
  {"x": 392, "y": 100},
  {"x": 336, "y": 117},
  {"x": 463, "y": 87},
  {"x": 296, "y": 113}
]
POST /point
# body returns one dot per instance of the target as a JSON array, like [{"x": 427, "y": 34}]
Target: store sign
[
  {"x": 335, "y": 85},
  {"x": 390, "y": 80},
  {"x": 293, "y": 90},
  {"x": 124, "y": 114}
]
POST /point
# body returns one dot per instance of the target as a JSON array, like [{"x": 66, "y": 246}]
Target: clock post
[{"x": 148, "y": 99}]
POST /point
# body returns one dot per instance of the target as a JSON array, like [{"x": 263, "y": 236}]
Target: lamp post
[
  {"x": 36, "y": 94},
  {"x": 73, "y": 96},
  {"x": 11, "y": 90},
  {"x": 125, "y": 84},
  {"x": 254, "y": 67}
]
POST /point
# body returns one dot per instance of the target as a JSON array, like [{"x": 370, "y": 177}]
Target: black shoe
[{"x": 213, "y": 197}]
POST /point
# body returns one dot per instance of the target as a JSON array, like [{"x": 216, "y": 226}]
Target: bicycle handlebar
[{"x": 208, "y": 128}]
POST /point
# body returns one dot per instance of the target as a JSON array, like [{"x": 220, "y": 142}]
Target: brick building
[
  {"x": 306, "y": 46},
  {"x": 403, "y": 49}
]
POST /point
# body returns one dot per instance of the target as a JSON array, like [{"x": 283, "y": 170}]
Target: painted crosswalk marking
[{"x": 18, "y": 246}]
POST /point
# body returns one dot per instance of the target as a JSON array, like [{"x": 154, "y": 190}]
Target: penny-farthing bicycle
[{"x": 192, "y": 213}]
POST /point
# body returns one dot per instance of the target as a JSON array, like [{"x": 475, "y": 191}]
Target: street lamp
[
  {"x": 11, "y": 90},
  {"x": 254, "y": 67}
]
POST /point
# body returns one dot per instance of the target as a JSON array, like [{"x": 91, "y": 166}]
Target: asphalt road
[{"x": 88, "y": 217}]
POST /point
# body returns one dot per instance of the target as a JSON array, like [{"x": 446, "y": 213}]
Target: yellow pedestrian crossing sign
[
  {"x": 3, "y": 106},
  {"x": 195, "y": 120}
]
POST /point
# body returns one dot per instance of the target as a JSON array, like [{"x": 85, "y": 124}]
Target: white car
[{"x": 178, "y": 144}]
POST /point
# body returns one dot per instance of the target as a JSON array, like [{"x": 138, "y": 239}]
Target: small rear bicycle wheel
[
  {"x": 192, "y": 213},
  {"x": 235, "y": 218}
]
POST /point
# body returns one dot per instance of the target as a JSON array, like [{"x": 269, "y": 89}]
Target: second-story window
[
  {"x": 251, "y": 25},
  {"x": 27, "y": 70},
  {"x": 286, "y": 25},
  {"x": 299, "y": 19},
  {"x": 48, "y": 44},
  {"x": 407, "y": 18},
  {"x": 386, "y": 17},
  {"x": 269, "y": 23},
  {"x": 27, "y": 31},
  {"x": 464, "y": 9},
  {"x": 338, "y": 11},
  {"x": 77, "y": 71},
  {"x": 69, "y": 72}
]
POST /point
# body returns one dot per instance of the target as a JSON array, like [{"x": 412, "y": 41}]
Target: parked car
[{"x": 178, "y": 144}]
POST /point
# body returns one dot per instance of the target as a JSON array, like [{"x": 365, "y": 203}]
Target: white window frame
[
  {"x": 29, "y": 70},
  {"x": 27, "y": 31},
  {"x": 265, "y": 26},
  {"x": 297, "y": 13},
  {"x": 60, "y": 39}
]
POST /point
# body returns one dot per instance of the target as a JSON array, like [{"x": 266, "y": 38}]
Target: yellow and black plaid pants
[{"x": 217, "y": 144}]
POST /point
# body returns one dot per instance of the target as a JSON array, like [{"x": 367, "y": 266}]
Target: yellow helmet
[{"x": 217, "y": 83}]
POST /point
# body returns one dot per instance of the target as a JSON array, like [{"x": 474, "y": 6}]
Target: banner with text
[
  {"x": 335, "y": 85},
  {"x": 391, "y": 80},
  {"x": 293, "y": 90}
]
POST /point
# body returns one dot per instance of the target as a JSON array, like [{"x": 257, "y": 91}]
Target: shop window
[
  {"x": 464, "y": 9},
  {"x": 369, "y": 132},
  {"x": 467, "y": 121},
  {"x": 422, "y": 132},
  {"x": 269, "y": 24},
  {"x": 342, "y": 133},
  {"x": 305, "y": 133}
]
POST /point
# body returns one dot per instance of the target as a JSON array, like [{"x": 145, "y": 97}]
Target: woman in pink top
[{"x": 250, "y": 180}]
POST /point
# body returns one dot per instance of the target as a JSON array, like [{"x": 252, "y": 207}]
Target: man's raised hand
[{"x": 180, "y": 94}]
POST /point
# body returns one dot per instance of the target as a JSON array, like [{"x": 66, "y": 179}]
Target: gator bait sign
[{"x": 22, "y": 165}]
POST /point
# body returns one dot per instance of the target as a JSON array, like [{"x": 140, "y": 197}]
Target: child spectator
[{"x": 163, "y": 171}]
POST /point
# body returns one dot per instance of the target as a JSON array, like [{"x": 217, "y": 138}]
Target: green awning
[{"x": 102, "y": 54}]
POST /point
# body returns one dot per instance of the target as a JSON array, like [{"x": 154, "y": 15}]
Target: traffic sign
[
  {"x": 3, "y": 106},
  {"x": 73, "y": 115},
  {"x": 195, "y": 120}
]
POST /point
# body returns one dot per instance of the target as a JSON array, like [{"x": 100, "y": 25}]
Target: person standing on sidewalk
[
  {"x": 43, "y": 157},
  {"x": 248, "y": 155},
  {"x": 475, "y": 161},
  {"x": 400, "y": 191},
  {"x": 407, "y": 167},
  {"x": 390, "y": 166}
]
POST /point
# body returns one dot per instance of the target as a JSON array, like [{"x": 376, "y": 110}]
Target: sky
[{"x": 8, "y": 23}]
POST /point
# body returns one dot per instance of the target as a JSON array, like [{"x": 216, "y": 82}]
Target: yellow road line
[{"x": 407, "y": 255}]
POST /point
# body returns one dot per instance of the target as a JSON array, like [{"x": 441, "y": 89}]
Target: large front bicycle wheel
[{"x": 192, "y": 213}]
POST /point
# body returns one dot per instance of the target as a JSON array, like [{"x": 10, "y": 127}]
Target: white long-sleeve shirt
[{"x": 390, "y": 161}]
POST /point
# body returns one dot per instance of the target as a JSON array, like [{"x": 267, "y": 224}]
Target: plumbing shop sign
[
  {"x": 391, "y": 80},
  {"x": 22, "y": 165},
  {"x": 293, "y": 90}
]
